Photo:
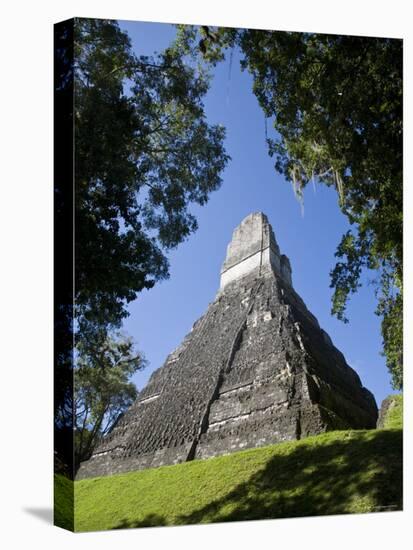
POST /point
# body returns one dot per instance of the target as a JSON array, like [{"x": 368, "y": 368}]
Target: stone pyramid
[{"x": 256, "y": 369}]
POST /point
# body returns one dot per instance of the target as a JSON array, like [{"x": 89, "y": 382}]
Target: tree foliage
[
  {"x": 336, "y": 106},
  {"x": 144, "y": 153},
  {"x": 102, "y": 389}
]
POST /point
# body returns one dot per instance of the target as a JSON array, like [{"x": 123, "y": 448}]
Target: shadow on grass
[{"x": 360, "y": 473}]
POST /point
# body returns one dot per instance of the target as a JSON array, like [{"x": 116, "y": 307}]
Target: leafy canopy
[
  {"x": 336, "y": 106},
  {"x": 144, "y": 153}
]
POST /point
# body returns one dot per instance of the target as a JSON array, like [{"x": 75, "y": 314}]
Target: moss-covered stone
[{"x": 391, "y": 412}]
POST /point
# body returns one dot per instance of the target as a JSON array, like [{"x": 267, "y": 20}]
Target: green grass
[
  {"x": 333, "y": 473},
  {"x": 394, "y": 416},
  {"x": 63, "y": 502}
]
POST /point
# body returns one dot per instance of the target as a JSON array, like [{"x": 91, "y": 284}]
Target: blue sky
[{"x": 162, "y": 316}]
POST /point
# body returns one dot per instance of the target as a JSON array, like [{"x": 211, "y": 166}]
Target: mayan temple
[{"x": 256, "y": 369}]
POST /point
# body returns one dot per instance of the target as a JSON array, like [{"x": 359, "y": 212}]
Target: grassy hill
[
  {"x": 63, "y": 502},
  {"x": 333, "y": 473}
]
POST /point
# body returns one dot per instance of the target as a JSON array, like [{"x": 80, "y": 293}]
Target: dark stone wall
[{"x": 256, "y": 369}]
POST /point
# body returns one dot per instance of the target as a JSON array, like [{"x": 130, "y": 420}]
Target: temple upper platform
[{"x": 254, "y": 248}]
